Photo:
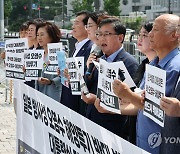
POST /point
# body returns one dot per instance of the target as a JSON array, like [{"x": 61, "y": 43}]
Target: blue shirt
[
  {"x": 112, "y": 56},
  {"x": 149, "y": 132}
]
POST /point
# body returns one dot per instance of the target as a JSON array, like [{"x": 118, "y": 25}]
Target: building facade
[{"x": 159, "y": 7}]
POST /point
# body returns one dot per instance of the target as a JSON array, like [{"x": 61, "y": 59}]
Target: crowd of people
[{"x": 158, "y": 41}]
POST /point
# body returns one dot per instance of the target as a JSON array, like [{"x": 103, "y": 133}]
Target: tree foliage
[
  {"x": 79, "y": 5},
  {"x": 7, "y": 8},
  {"x": 112, "y": 7},
  {"x": 136, "y": 24},
  {"x": 22, "y": 11}
]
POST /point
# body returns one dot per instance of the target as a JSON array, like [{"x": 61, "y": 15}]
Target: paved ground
[{"x": 7, "y": 125}]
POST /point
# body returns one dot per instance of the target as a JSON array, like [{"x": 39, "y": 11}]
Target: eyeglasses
[
  {"x": 98, "y": 35},
  {"x": 142, "y": 36},
  {"x": 89, "y": 26}
]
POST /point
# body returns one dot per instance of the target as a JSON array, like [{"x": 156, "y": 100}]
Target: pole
[
  {"x": 169, "y": 6},
  {"x": 39, "y": 10},
  {"x": 1, "y": 19},
  {"x": 30, "y": 9},
  {"x": 96, "y": 5},
  {"x": 63, "y": 12}
]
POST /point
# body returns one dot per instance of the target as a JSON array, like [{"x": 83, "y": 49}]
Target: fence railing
[
  {"x": 11, "y": 35},
  {"x": 131, "y": 47},
  {"x": 5, "y": 85}
]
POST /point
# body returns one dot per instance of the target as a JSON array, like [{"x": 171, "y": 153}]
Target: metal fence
[
  {"x": 131, "y": 47},
  {"x": 6, "y": 89}
]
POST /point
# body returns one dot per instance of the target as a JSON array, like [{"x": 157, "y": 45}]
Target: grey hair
[{"x": 171, "y": 26}]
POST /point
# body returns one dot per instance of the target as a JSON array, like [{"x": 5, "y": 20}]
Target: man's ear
[
  {"x": 121, "y": 37},
  {"x": 174, "y": 36}
]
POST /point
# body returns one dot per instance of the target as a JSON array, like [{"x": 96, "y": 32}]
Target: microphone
[{"x": 98, "y": 53}]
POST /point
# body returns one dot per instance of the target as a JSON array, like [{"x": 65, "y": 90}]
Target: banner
[
  {"x": 45, "y": 126},
  {"x": 53, "y": 48},
  {"x": 14, "y": 59},
  {"x": 155, "y": 83},
  {"x": 75, "y": 66},
  {"x": 33, "y": 64},
  {"x": 107, "y": 73}
]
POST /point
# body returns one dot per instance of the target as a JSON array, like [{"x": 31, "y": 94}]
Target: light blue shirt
[
  {"x": 149, "y": 132},
  {"x": 112, "y": 56}
]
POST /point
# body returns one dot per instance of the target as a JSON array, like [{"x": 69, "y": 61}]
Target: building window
[
  {"x": 134, "y": 1},
  {"x": 147, "y": 7},
  {"x": 135, "y": 8}
]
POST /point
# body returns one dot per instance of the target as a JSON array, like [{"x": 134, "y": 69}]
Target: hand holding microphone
[{"x": 96, "y": 53}]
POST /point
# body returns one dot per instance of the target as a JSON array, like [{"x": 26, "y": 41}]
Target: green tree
[
  {"x": 22, "y": 11},
  {"x": 112, "y": 7},
  {"x": 7, "y": 8},
  {"x": 79, "y": 5},
  {"x": 136, "y": 24},
  {"x": 18, "y": 14}
]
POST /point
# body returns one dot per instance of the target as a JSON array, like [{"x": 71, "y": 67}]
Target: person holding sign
[
  {"x": 32, "y": 42},
  {"x": 23, "y": 30},
  {"x": 164, "y": 41},
  {"x": 111, "y": 35},
  {"x": 144, "y": 47},
  {"x": 171, "y": 106},
  {"x": 49, "y": 84},
  {"x": 82, "y": 49},
  {"x": 143, "y": 44},
  {"x": 22, "y": 34},
  {"x": 32, "y": 39}
]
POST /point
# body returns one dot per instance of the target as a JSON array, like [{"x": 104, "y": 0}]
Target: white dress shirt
[{"x": 79, "y": 45}]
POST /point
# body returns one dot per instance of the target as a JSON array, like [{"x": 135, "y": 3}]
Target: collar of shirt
[
  {"x": 112, "y": 56},
  {"x": 162, "y": 63},
  {"x": 79, "y": 45}
]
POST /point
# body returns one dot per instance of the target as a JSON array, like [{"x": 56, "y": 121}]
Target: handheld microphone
[{"x": 98, "y": 53}]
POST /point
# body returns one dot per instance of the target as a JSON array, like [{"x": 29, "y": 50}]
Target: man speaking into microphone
[{"x": 110, "y": 37}]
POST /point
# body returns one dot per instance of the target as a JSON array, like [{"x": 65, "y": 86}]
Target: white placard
[
  {"x": 107, "y": 73},
  {"x": 14, "y": 59},
  {"x": 33, "y": 64},
  {"x": 155, "y": 83},
  {"x": 75, "y": 65}
]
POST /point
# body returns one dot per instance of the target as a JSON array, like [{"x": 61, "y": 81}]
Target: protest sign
[
  {"x": 107, "y": 73},
  {"x": 14, "y": 60},
  {"x": 45, "y": 126},
  {"x": 53, "y": 48},
  {"x": 155, "y": 83},
  {"x": 75, "y": 65},
  {"x": 33, "y": 64},
  {"x": 62, "y": 66},
  {"x": 80, "y": 74}
]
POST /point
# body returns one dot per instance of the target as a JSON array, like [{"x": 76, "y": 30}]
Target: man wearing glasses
[{"x": 110, "y": 35}]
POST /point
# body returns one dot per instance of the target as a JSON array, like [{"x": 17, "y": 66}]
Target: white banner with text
[{"x": 44, "y": 126}]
